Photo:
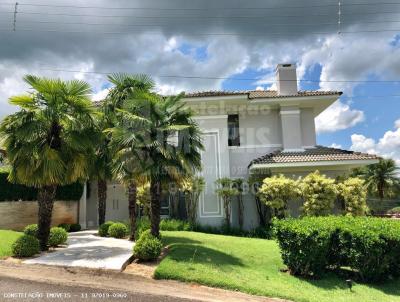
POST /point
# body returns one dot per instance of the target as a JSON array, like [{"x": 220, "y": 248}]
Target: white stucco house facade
[{"x": 247, "y": 132}]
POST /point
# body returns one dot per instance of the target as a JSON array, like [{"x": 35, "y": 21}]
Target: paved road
[{"x": 28, "y": 291}]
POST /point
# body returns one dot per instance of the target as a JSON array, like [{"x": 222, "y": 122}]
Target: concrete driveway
[{"x": 85, "y": 249}]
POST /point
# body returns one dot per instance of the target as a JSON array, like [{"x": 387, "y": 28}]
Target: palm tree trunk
[
  {"x": 155, "y": 207},
  {"x": 132, "y": 198},
  {"x": 102, "y": 197},
  {"x": 261, "y": 212},
  {"x": 381, "y": 192},
  {"x": 46, "y": 197},
  {"x": 227, "y": 212},
  {"x": 241, "y": 211}
]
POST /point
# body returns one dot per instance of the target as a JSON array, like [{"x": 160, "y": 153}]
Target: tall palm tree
[
  {"x": 124, "y": 123},
  {"x": 170, "y": 149},
  {"x": 102, "y": 165},
  {"x": 380, "y": 178},
  {"x": 49, "y": 142}
]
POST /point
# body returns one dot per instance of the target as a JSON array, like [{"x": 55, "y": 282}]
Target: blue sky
[
  {"x": 214, "y": 40},
  {"x": 380, "y": 112}
]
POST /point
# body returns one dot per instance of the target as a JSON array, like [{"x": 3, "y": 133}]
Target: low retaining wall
[{"x": 15, "y": 215}]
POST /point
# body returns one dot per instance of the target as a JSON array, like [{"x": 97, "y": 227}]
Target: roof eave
[{"x": 322, "y": 163}]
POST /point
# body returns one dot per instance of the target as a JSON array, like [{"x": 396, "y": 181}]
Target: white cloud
[
  {"x": 363, "y": 144},
  {"x": 387, "y": 146},
  {"x": 397, "y": 123},
  {"x": 338, "y": 116},
  {"x": 336, "y": 146},
  {"x": 100, "y": 95}
]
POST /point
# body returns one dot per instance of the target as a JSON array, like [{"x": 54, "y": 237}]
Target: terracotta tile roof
[
  {"x": 251, "y": 94},
  {"x": 317, "y": 154},
  {"x": 254, "y": 94}
]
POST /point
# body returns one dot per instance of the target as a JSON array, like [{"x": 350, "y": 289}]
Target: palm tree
[
  {"x": 102, "y": 166},
  {"x": 49, "y": 142},
  {"x": 162, "y": 140},
  {"x": 124, "y": 123},
  {"x": 380, "y": 178},
  {"x": 226, "y": 190},
  {"x": 166, "y": 159},
  {"x": 239, "y": 183}
]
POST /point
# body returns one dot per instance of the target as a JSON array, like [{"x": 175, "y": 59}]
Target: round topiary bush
[
  {"x": 117, "y": 230},
  {"x": 103, "y": 229},
  {"x": 57, "y": 237},
  {"x": 147, "y": 247},
  {"x": 65, "y": 226},
  {"x": 25, "y": 246},
  {"x": 31, "y": 230},
  {"x": 75, "y": 227}
]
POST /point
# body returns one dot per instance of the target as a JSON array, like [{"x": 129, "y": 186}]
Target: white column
[{"x": 82, "y": 208}]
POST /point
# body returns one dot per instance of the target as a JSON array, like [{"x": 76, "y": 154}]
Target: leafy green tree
[
  {"x": 354, "y": 195},
  {"x": 319, "y": 194},
  {"x": 381, "y": 178},
  {"x": 226, "y": 190},
  {"x": 192, "y": 187},
  {"x": 50, "y": 141},
  {"x": 121, "y": 105},
  {"x": 277, "y": 191}
]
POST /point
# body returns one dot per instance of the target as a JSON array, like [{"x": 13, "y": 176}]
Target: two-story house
[{"x": 248, "y": 132}]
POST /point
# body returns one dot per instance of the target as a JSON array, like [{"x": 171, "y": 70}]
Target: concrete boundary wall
[{"x": 15, "y": 215}]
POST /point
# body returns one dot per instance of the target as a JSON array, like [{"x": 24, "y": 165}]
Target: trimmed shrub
[
  {"x": 147, "y": 247},
  {"x": 174, "y": 225},
  {"x": 65, "y": 226},
  {"x": 103, "y": 229},
  {"x": 369, "y": 246},
  {"x": 75, "y": 227},
  {"x": 276, "y": 191},
  {"x": 117, "y": 230},
  {"x": 305, "y": 245},
  {"x": 319, "y": 194},
  {"x": 25, "y": 246},
  {"x": 57, "y": 237},
  {"x": 31, "y": 230},
  {"x": 354, "y": 195}
]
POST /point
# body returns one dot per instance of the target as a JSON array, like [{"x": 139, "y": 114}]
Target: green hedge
[
  {"x": 14, "y": 192},
  {"x": 369, "y": 246}
]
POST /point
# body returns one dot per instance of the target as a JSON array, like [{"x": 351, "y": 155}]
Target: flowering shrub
[
  {"x": 319, "y": 194},
  {"x": 276, "y": 191},
  {"x": 354, "y": 194}
]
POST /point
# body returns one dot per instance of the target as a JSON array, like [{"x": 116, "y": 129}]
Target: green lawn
[
  {"x": 252, "y": 266},
  {"x": 7, "y": 238}
]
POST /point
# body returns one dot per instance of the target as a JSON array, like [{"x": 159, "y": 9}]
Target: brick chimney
[{"x": 286, "y": 79}]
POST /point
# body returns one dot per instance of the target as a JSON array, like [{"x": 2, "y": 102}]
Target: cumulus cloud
[
  {"x": 337, "y": 146},
  {"x": 338, "y": 116},
  {"x": 387, "y": 146},
  {"x": 152, "y": 41}
]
